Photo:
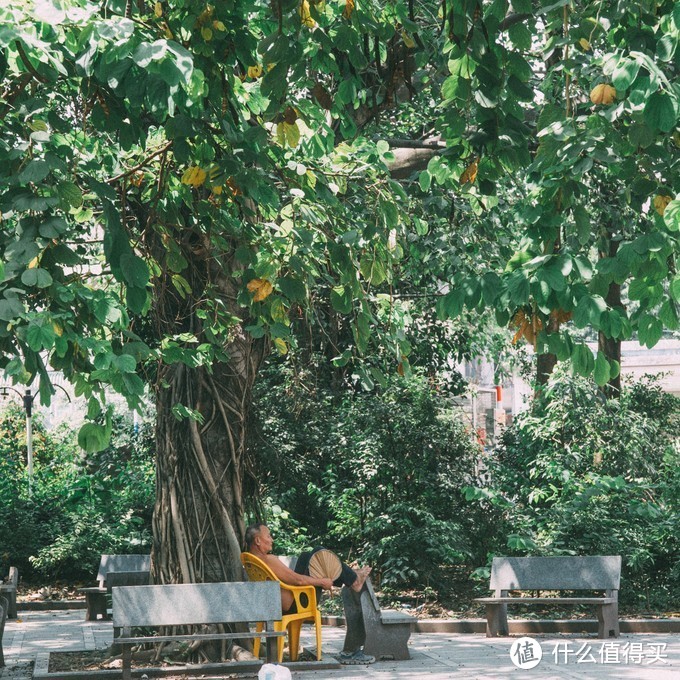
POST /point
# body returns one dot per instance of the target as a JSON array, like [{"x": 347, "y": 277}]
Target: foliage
[
  {"x": 184, "y": 177},
  {"x": 579, "y": 474},
  {"x": 587, "y": 170},
  {"x": 78, "y": 508},
  {"x": 373, "y": 475}
]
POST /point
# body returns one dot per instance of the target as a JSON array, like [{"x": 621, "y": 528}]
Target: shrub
[
  {"x": 377, "y": 474},
  {"x": 580, "y": 474},
  {"x": 81, "y": 505}
]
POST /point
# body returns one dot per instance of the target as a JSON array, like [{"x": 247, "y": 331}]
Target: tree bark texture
[
  {"x": 611, "y": 347},
  {"x": 203, "y": 476}
]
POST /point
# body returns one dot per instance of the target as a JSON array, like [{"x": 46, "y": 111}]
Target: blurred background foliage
[
  {"x": 391, "y": 477},
  {"x": 82, "y": 505}
]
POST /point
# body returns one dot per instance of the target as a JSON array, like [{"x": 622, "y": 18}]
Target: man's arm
[{"x": 292, "y": 578}]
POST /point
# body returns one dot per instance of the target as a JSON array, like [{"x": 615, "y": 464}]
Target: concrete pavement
[{"x": 435, "y": 656}]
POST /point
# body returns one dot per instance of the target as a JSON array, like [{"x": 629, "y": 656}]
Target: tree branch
[
  {"x": 27, "y": 63},
  {"x": 511, "y": 20},
  {"x": 132, "y": 171}
]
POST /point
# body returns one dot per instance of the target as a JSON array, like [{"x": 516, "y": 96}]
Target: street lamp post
[
  {"x": 28, "y": 398},
  {"x": 28, "y": 407}
]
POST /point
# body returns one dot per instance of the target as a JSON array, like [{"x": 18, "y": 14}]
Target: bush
[
  {"x": 580, "y": 474},
  {"x": 373, "y": 474},
  {"x": 81, "y": 505}
]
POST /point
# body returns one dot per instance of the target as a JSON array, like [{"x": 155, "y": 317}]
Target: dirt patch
[
  {"x": 102, "y": 659},
  {"x": 79, "y": 661},
  {"x": 56, "y": 591}
]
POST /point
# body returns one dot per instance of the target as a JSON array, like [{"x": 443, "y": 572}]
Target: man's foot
[
  {"x": 362, "y": 575},
  {"x": 356, "y": 658}
]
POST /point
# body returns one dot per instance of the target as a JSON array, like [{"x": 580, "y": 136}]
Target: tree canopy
[{"x": 185, "y": 180}]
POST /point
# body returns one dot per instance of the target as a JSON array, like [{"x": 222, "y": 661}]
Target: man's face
[{"x": 264, "y": 540}]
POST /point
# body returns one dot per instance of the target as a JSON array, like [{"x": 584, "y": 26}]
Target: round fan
[{"x": 325, "y": 564}]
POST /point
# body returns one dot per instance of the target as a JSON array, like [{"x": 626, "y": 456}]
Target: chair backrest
[
  {"x": 13, "y": 577},
  {"x": 256, "y": 569},
  {"x": 195, "y": 603},
  {"x": 371, "y": 595},
  {"x": 115, "y": 579},
  {"x": 110, "y": 563},
  {"x": 598, "y": 572}
]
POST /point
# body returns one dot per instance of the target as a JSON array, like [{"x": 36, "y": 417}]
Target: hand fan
[{"x": 325, "y": 564}]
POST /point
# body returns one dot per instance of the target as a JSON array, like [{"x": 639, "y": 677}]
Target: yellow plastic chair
[{"x": 305, "y": 603}]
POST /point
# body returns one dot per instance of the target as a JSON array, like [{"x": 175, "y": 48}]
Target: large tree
[{"x": 184, "y": 179}]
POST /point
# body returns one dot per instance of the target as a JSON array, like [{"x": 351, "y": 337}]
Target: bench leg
[
  {"x": 355, "y": 631},
  {"x": 273, "y": 649},
  {"x": 608, "y": 620},
  {"x": 497, "y": 620},
  {"x": 95, "y": 604},
  {"x": 127, "y": 662},
  {"x": 12, "y": 604}
]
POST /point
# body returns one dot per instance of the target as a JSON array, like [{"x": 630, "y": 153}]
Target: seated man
[{"x": 259, "y": 542}]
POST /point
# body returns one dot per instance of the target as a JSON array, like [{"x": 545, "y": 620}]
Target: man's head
[{"x": 259, "y": 537}]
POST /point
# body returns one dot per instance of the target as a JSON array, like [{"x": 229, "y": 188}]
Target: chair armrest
[{"x": 298, "y": 591}]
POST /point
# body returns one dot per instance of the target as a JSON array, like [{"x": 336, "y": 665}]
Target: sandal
[{"x": 356, "y": 658}]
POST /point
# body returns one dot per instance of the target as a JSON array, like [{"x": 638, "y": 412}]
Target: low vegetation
[{"x": 389, "y": 477}]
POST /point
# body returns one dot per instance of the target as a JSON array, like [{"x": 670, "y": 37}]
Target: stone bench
[
  {"x": 8, "y": 589},
  {"x": 383, "y": 633},
  {"x": 565, "y": 573},
  {"x": 3, "y": 616},
  {"x": 194, "y": 604},
  {"x": 132, "y": 570}
]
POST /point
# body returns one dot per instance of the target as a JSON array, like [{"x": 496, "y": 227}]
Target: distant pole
[{"x": 28, "y": 406}]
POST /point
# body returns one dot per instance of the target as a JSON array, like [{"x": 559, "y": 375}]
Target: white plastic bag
[{"x": 272, "y": 671}]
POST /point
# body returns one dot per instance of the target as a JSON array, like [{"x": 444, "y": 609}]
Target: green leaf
[
  {"x": 125, "y": 363},
  {"x": 341, "y": 299},
  {"x": 70, "y": 195},
  {"x": 518, "y": 287},
  {"x": 624, "y": 74},
  {"x": 372, "y": 269},
  {"x": 136, "y": 299},
  {"x": 668, "y": 315},
  {"x": 675, "y": 288},
  {"x": 453, "y": 301},
  {"x": 38, "y": 277},
  {"x": 650, "y": 330},
  {"x": 292, "y": 288},
  {"x": 671, "y": 215},
  {"x": 601, "y": 372},
  {"x": 93, "y": 437},
  {"x": 135, "y": 270},
  {"x": 582, "y": 360},
  {"x": 40, "y": 337},
  {"x": 35, "y": 171},
  {"x": 588, "y": 311},
  {"x": 660, "y": 112},
  {"x": 148, "y": 52}
]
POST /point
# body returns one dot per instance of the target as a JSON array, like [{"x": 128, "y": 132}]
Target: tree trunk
[
  {"x": 545, "y": 365},
  {"x": 611, "y": 347},
  {"x": 198, "y": 523},
  {"x": 204, "y": 482}
]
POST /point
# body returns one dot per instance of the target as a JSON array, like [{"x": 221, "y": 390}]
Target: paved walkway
[{"x": 435, "y": 656}]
